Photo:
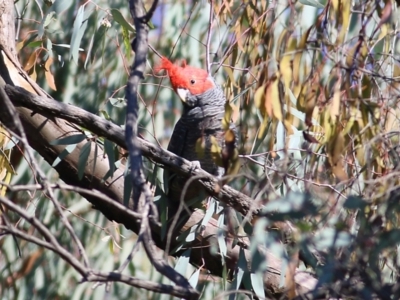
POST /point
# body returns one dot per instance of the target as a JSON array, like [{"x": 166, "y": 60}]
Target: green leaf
[
  {"x": 76, "y": 35},
  {"x": 330, "y": 237},
  {"x": 34, "y": 44},
  {"x": 183, "y": 262},
  {"x": 389, "y": 239},
  {"x": 79, "y": 28},
  {"x": 97, "y": 41},
  {"x": 109, "y": 149},
  {"x": 194, "y": 279},
  {"x": 127, "y": 184},
  {"x": 257, "y": 283},
  {"x": 127, "y": 43},
  {"x": 105, "y": 114},
  {"x": 295, "y": 205},
  {"x": 192, "y": 234},
  {"x": 258, "y": 261},
  {"x": 354, "y": 202},
  {"x": 314, "y": 3},
  {"x": 72, "y": 139},
  {"x": 31, "y": 42},
  {"x": 60, "y": 5},
  {"x": 11, "y": 144},
  {"x": 95, "y": 156},
  {"x": 118, "y": 102},
  {"x": 119, "y": 18},
  {"x": 209, "y": 213},
  {"x": 63, "y": 154},
  {"x": 240, "y": 271},
  {"x": 48, "y": 18},
  {"x": 222, "y": 238},
  {"x": 49, "y": 47},
  {"x": 83, "y": 158}
]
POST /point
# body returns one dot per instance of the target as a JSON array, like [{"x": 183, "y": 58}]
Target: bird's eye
[{"x": 192, "y": 81}]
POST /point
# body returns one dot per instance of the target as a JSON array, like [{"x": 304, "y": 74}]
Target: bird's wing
[
  {"x": 177, "y": 146},
  {"x": 177, "y": 142}
]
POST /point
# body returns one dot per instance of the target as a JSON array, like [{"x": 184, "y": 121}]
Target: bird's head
[{"x": 186, "y": 81}]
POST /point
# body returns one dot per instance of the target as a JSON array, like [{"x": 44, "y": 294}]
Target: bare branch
[
  {"x": 77, "y": 189},
  {"x": 140, "y": 19},
  {"x": 210, "y": 23}
]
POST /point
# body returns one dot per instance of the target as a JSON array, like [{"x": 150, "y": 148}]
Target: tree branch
[{"x": 140, "y": 185}]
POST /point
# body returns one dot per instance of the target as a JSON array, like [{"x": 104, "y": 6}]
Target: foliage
[{"x": 313, "y": 91}]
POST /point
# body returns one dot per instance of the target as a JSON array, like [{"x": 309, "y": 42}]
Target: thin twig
[
  {"x": 183, "y": 29},
  {"x": 210, "y": 24}
]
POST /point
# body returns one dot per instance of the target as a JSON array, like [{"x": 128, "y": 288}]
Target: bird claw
[{"x": 195, "y": 165}]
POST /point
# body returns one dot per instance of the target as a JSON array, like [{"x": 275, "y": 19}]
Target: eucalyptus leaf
[
  {"x": 83, "y": 158},
  {"x": 71, "y": 139}
]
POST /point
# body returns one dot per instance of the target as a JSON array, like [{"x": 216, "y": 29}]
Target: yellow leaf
[
  {"x": 19, "y": 46},
  {"x": 298, "y": 56},
  {"x": 391, "y": 121},
  {"x": 357, "y": 54},
  {"x": 286, "y": 70},
  {"x": 234, "y": 167},
  {"x": 200, "y": 147},
  {"x": 31, "y": 61},
  {"x": 259, "y": 100},
  {"x": 345, "y": 8},
  {"x": 297, "y": 90},
  {"x": 285, "y": 65},
  {"x": 336, "y": 148},
  {"x": 360, "y": 155},
  {"x": 33, "y": 75},
  {"x": 263, "y": 126},
  {"x": 327, "y": 127},
  {"x": 235, "y": 112},
  {"x": 49, "y": 76},
  {"x": 366, "y": 87},
  {"x": 111, "y": 245},
  {"x": 312, "y": 92},
  {"x": 335, "y": 5},
  {"x": 349, "y": 125},
  {"x": 280, "y": 42},
  {"x": 226, "y": 121},
  {"x": 229, "y": 71},
  {"x": 216, "y": 151},
  {"x": 272, "y": 139},
  {"x": 273, "y": 101},
  {"x": 3, "y": 188},
  {"x": 288, "y": 127},
  {"x": 335, "y": 106}
]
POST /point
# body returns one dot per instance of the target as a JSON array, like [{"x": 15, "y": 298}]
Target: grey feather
[{"x": 201, "y": 118}]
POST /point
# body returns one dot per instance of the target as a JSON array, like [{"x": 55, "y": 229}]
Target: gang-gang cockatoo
[{"x": 198, "y": 135}]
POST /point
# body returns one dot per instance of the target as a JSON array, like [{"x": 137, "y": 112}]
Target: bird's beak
[{"x": 182, "y": 93}]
